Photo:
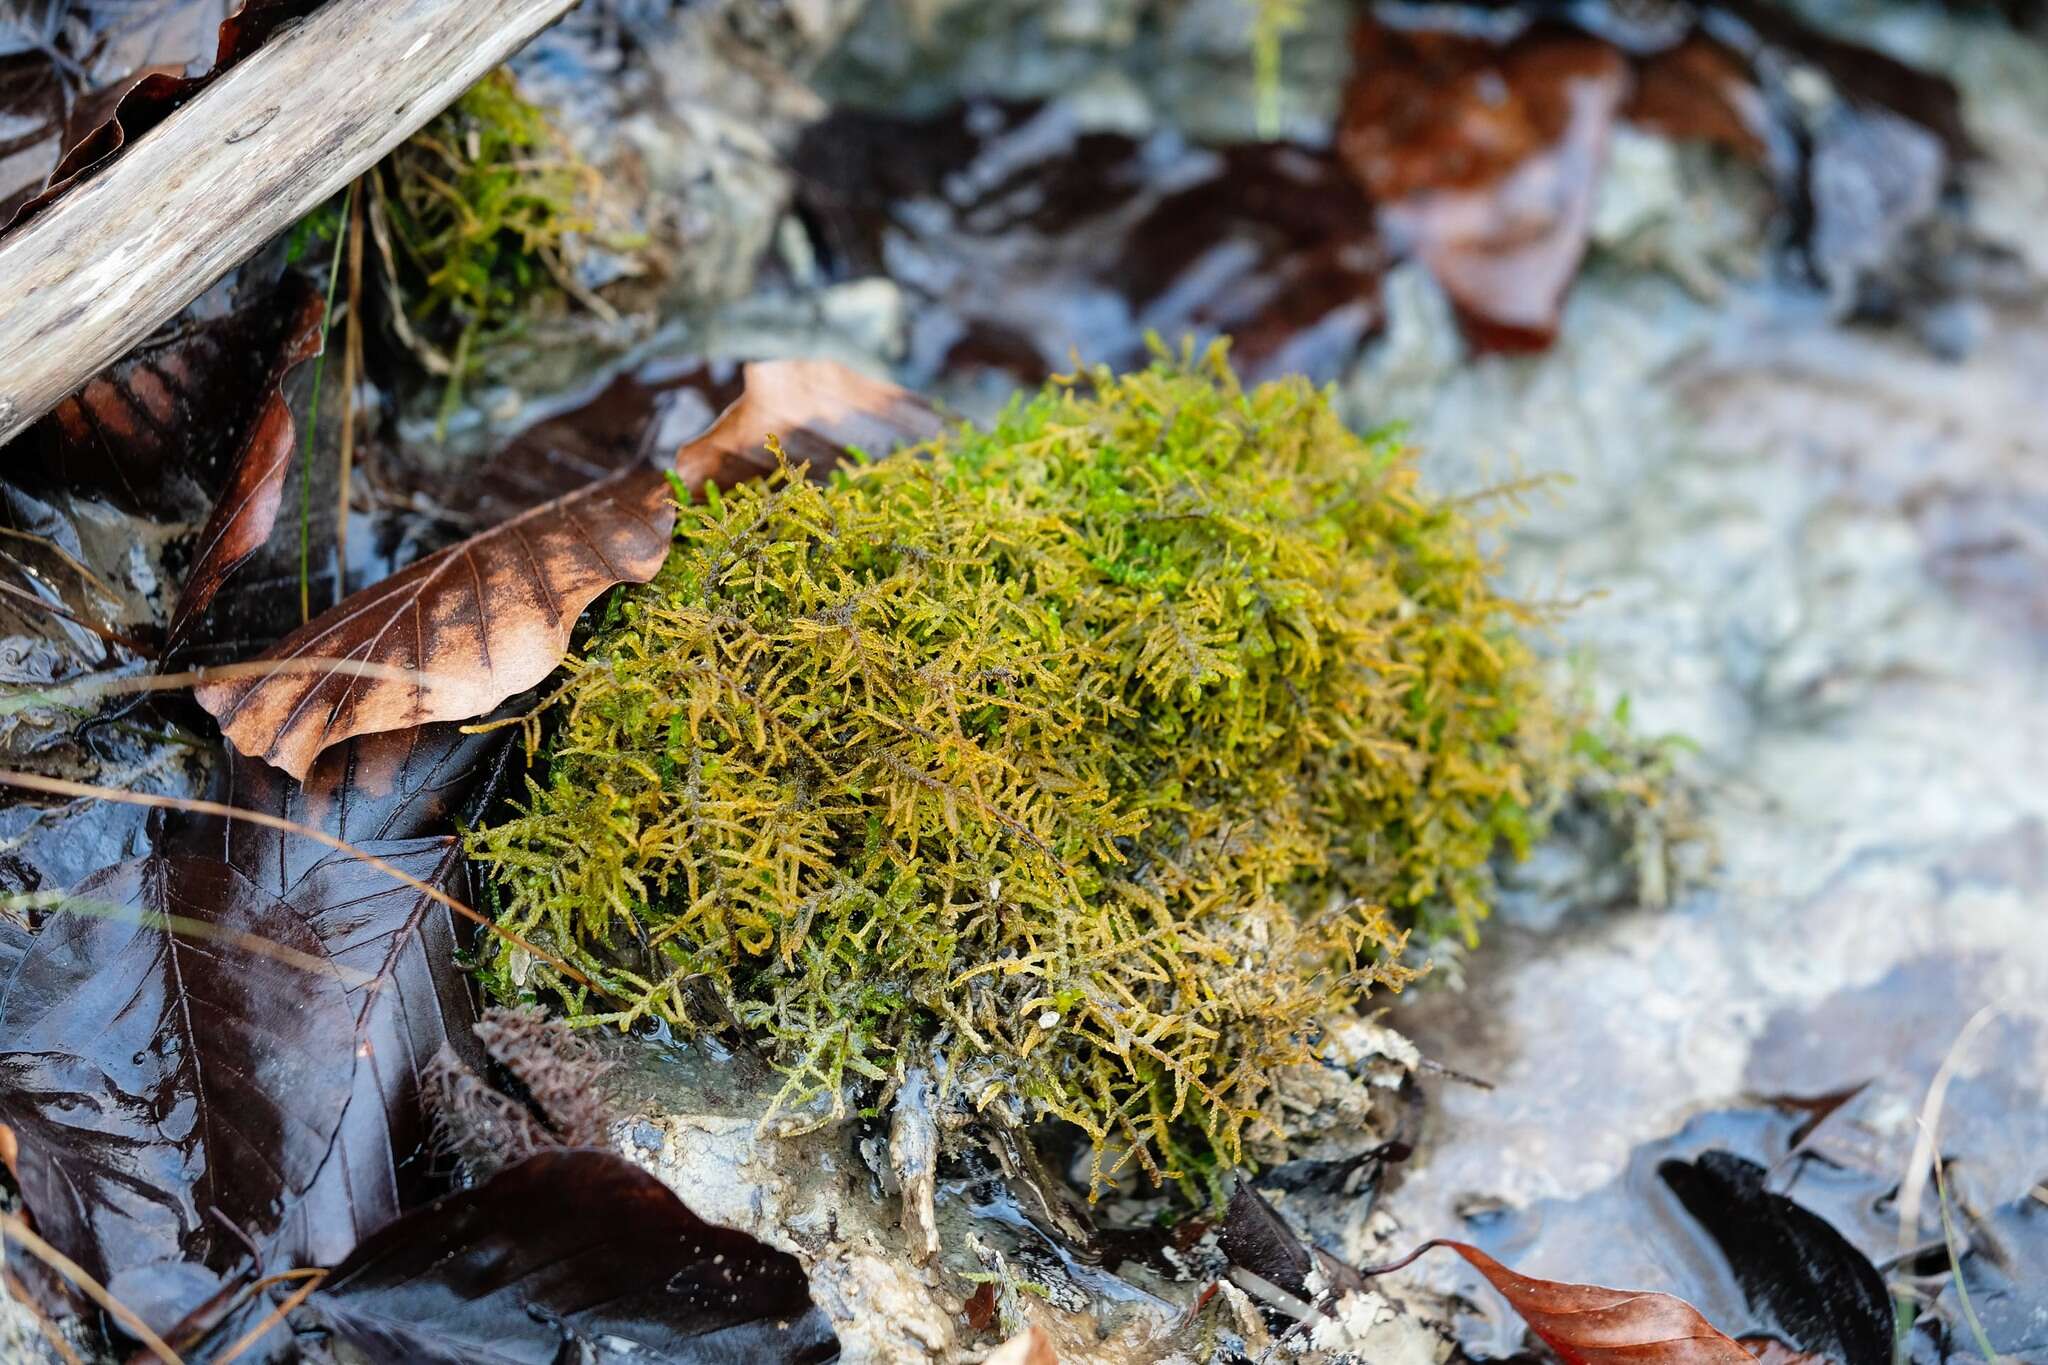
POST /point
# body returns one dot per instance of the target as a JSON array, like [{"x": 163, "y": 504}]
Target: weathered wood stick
[{"x": 250, "y": 155}]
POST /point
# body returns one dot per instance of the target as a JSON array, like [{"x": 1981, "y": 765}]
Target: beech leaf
[
  {"x": 1485, "y": 161},
  {"x": 572, "y": 1254},
  {"x": 151, "y": 96},
  {"x": 246, "y": 509},
  {"x": 492, "y": 616},
  {"x": 177, "y": 1060},
  {"x": 1591, "y": 1325}
]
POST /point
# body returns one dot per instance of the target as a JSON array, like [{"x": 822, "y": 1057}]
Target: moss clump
[
  {"x": 1101, "y": 753},
  {"x": 483, "y": 204}
]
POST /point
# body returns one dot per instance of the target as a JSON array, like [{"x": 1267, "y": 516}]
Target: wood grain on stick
[{"x": 249, "y": 156}]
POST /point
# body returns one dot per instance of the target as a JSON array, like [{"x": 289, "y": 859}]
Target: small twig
[
  {"x": 276, "y": 1315},
  {"x": 65, "y": 902},
  {"x": 13, "y": 1228},
  {"x": 1261, "y": 1288},
  {"x": 1913, "y": 1188},
  {"x": 70, "y": 560},
  {"x": 102, "y": 686},
  {"x": 51, "y": 1332},
  {"x": 313, "y": 428},
  {"x": 351, "y": 374}
]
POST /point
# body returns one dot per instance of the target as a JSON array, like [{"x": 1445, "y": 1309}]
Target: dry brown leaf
[
  {"x": 492, "y": 616},
  {"x": 1590, "y": 1325}
]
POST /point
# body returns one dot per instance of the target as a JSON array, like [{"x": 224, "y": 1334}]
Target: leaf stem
[{"x": 313, "y": 426}]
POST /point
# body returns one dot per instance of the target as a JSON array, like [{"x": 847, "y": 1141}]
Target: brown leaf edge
[
  {"x": 1592, "y": 1325},
  {"x": 155, "y": 97},
  {"x": 492, "y": 616},
  {"x": 246, "y": 509}
]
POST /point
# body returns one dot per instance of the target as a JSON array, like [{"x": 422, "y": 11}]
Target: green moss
[
  {"x": 482, "y": 204},
  {"x": 1100, "y": 754}
]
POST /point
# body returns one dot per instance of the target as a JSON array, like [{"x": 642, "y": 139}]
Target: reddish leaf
[
  {"x": 492, "y": 616},
  {"x": 552, "y": 1257},
  {"x": 1485, "y": 162},
  {"x": 1588, "y": 1325},
  {"x": 171, "y": 1089},
  {"x": 1700, "y": 91},
  {"x": 246, "y": 508}
]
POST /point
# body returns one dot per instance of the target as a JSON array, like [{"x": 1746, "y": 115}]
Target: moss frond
[{"x": 1104, "y": 752}]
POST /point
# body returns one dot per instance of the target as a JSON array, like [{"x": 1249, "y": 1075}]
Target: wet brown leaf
[
  {"x": 246, "y": 508},
  {"x": 64, "y": 68},
  {"x": 492, "y": 616},
  {"x": 1484, "y": 162},
  {"x": 1026, "y": 239},
  {"x": 560, "y": 1256},
  {"x": 1701, "y": 92},
  {"x": 158, "y": 432},
  {"x": 171, "y": 1082},
  {"x": 635, "y": 419},
  {"x": 152, "y": 84}
]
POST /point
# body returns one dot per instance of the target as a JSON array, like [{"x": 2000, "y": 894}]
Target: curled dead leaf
[
  {"x": 246, "y": 509},
  {"x": 1591, "y": 1325},
  {"x": 492, "y": 616},
  {"x": 150, "y": 95}
]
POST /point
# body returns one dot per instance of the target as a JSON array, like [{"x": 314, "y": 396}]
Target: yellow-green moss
[
  {"x": 1100, "y": 754},
  {"x": 482, "y": 204}
]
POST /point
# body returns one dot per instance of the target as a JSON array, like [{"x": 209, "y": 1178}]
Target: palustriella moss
[
  {"x": 483, "y": 206},
  {"x": 1093, "y": 757}
]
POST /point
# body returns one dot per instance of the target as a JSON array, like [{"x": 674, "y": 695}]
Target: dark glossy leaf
[
  {"x": 246, "y": 507},
  {"x": 566, "y": 1256},
  {"x": 65, "y": 66},
  {"x": 158, "y": 432},
  {"x": 1798, "y": 1273},
  {"x": 403, "y": 784},
  {"x": 171, "y": 1084},
  {"x": 396, "y": 949},
  {"x": 1026, "y": 240},
  {"x": 1484, "y": 162},
  {"x": 492, "y": 616}
]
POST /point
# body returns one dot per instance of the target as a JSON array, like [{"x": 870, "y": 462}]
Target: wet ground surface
[{"x": 1818, "y": 554}]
